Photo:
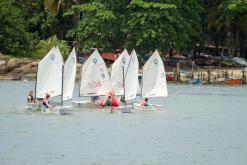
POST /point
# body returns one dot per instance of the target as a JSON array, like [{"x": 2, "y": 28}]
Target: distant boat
[
  {"x": 169, "y": 77},
  {"x": 153, "y": 81},
  {"x": 196, "y": 82},
  {"x": 232, "y": 81}
]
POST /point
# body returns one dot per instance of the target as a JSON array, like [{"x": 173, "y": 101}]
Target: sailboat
[
  {"x": 125, "y": 79},
  {"x": 50, "y": 78},
  {"x": 69, "y": 76},
  {"x": 131, "y": 83},
  {"x": 153, "y": 81},
  {"x": 118, "y": 73},
  {"x": 94, "y": 80},
  {"x": 56, "y": 79}
]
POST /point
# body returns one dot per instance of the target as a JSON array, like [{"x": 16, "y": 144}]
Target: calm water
[{"x": 203, "y": 125}]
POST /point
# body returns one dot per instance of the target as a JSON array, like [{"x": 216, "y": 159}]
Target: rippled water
[{"x": 198, "y": 125}]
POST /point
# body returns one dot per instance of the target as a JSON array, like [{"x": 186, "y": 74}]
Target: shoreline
[{"x": 12, "y": 68}]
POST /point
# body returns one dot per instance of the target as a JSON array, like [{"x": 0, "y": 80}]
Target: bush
[{"x": 44, "y": 47}]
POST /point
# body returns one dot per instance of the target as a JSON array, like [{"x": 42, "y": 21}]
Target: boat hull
[
  {"x": 33, "y": 106},
  {"x": 56, "y": 110},
  {"x": 85, "y": 104},
  {"x": 153, "y": 107},
  {"x": 232, "y": 81}
]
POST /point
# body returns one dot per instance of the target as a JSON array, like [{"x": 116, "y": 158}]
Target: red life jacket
[
  {"x": 113, "y": 101},
  {"x": 143, "y": 103}
]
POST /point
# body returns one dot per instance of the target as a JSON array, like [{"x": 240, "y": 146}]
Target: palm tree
[{"x": 225, "y": 20}]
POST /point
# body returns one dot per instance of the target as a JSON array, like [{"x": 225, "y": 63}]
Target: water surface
[{"x": 199, "y": 125}]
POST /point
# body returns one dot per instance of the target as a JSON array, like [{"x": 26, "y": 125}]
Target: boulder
[
  {"x": 23, "y": 69},
  {"x": 2, "y": 62},
  {"x": 12, "y": 64}
]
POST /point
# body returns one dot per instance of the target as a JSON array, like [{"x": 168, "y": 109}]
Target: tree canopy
[{"x": 145, "y": 25}]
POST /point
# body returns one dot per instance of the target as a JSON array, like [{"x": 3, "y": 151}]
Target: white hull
[
  {"x": 33, "y": 106},
  {"x": 120, "y": 109},
  {"x": 125, "y": 108},
  {"x": 56, "y": 110},
  {"x": 152, "y": 107},
  {"x": 85, "y": 104}
]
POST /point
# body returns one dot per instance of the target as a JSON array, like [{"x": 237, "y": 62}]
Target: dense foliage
[{"x": 27, "y": 27}]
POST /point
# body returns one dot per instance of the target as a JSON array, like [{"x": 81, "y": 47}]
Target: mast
[
  {"x": 62, "y": 85},
  {"x": 142, "y": 82},
  {"x": 36, "y": 82},
  {"x": 80, "y": 82},
  {"x": 124, "y": 85}
]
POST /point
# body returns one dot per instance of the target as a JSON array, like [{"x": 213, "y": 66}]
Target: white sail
[
  {"x": 49, "y": 74},
  {"x": 69, "y": 75},
  {"x": 153, "y": 80},
  {"x": 131, "y": 78},
  {"x": 117, "y": 72},
  {"x": 95, "y": 80}
]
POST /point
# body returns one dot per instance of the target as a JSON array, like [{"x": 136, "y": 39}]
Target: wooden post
[
  {"x": 198, "y": 73},
  {"x": 201, "y": 74},
  {"x": 226, "y": 74},
  {"x": 178, "y": 72},
  {"x": 244, "y": 76},
  {"x": 209, "y": 75},
  {"x": 192, "y": 71}
]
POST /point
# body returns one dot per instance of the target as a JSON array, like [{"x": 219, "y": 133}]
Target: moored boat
[{"x": 232, "y": 81}]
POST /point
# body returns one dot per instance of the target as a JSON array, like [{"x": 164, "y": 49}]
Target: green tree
[
  {"x": 228, "y": 22},
  {"x": 45, "y": 45},
  {"x": 14, "y": 36}
]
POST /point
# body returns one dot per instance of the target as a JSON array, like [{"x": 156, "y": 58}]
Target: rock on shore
[
  {"x": 20, "y": 68},
  {"x": 17, "y": 68}
]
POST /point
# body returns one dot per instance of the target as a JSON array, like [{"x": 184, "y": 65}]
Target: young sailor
[
  {"x": 122, "y": 99},
  {"x": 108, "y": 101},
  {"x": 94, "y": 99},
  {"x": 30, "y": 98},
  {"x": 145, "y": 102},
  {"x": 45, "y": 101}
]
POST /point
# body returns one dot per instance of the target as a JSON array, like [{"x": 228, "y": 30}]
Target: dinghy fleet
[{"x": 57, "y": 79}]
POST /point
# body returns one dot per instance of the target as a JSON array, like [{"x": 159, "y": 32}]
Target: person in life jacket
[
  {"x": 122, "y": 99},
  {"x": 145, "y": 102},
  {"x": 45, "y": 102},
  {"x": 108, "y": 101},
  {"x": 94, "y": 99},
  {"x": 30, "y": 98}
]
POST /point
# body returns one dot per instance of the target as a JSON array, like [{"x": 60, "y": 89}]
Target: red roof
[{"x": 109, "y": 56}]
